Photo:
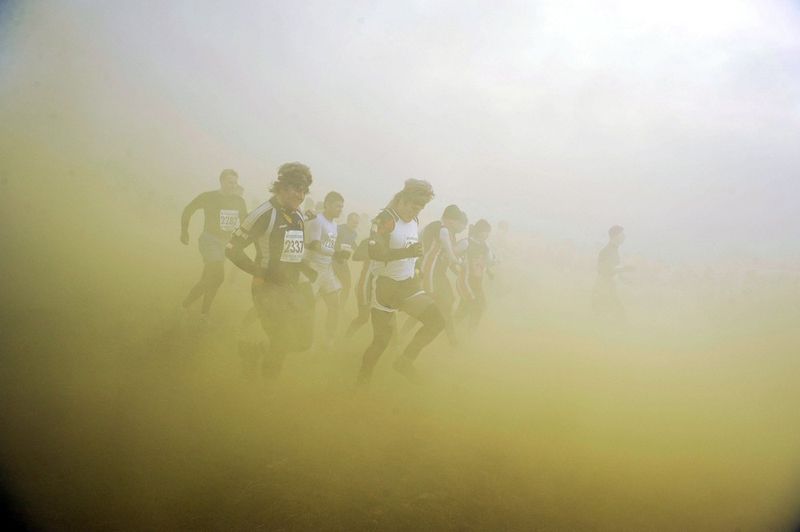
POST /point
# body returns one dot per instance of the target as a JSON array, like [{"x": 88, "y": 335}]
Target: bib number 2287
[{"x": 292, "y": 246}]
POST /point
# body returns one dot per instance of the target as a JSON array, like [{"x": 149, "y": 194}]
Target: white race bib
[
  {"x": 346, "y": 247},
  {"x": 228, "y": 220},
  {"x": 330, "y": 242},
  {"x": 292, "y": 246}
]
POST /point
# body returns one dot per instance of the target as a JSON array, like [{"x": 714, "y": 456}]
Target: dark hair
[
  {"x": 227, "y": 172},
  {"x": 296, "y": 174},
  {"x": 333, "y": 196},
  {"x": 615, "y": 230},
  {"x": 481, "y": 226},
  {"x": 452, "y": 212}
]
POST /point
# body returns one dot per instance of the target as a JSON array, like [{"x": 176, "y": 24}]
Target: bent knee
[{"x": 433, "y": 318}]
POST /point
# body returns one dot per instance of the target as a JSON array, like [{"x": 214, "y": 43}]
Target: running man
[
  {"x": 363, "y": 289},
  {"x": 605, "y": 300},
  {"x": 321, "y": 236},
  {"x": 346, "y": 241},
  {"x": 439, "y": 239},
  {"x": 276, "y": 228},
  {"x": 394, "y": 248},
  {"x": 223, "y": 210},
  {"x": 477, "y": 260}
]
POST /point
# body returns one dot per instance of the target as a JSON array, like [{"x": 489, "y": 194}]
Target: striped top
[{"x": 278, "y": 236}]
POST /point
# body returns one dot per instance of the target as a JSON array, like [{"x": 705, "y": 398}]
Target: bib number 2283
[{"x": 292, "y": 246}]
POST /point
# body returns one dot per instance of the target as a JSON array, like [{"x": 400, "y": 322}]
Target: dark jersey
[
  {"x": 278, "y": 236},
  {"x": 430, "y": 234},
  {"x": 346, "y": 239},
  {"x": 222, "y": 213},
  {"x": 478, "y": 257},
  {"x": 607, "y": 262}
]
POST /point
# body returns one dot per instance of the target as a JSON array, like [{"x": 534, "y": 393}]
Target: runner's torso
[
  {"x": 607, "y": 262},
  {"x": 477, "y": 255},
  {"x": 222, "y": 213},
  {"x": 278, "y": 235},
  {"x": 346, "y": 238},
  {"x": 325, "y": 231},
  {"x": 436, "y": 259},
  {"x": 401, "y": 234}
]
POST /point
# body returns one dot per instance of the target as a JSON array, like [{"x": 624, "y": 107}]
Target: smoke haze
[{"x": 680, "y": 122}]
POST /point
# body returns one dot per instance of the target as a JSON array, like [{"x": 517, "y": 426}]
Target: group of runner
[{"x": 303, "y": 257}]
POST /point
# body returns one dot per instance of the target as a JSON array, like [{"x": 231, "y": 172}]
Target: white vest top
[{"x": 404, "y": 235}]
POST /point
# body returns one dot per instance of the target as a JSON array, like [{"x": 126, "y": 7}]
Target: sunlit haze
[{"x": 679, "y": 121}]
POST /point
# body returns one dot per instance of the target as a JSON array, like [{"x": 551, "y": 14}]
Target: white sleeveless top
[{"x": 404, "y": 235}]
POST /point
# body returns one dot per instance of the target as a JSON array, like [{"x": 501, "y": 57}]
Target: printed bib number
[
  {"x": 228, "y": 220},
  {"x": 292, "y": 246},
  {"x": 346, "y": 247},
  {"x": 329, "y": 242},
  {"x": 411, "y": 240}
]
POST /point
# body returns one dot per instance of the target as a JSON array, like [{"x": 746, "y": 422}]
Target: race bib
[
  {"x": 411, "y": 240},
  {"x": 228, "y": 220},
  {"x": 346, "y": 247},
  {"x": 292, "y": 246},
  {"x": 329, "y": 242}
]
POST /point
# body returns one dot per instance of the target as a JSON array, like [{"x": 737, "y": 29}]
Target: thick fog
[{"x": 679, "y": 121}]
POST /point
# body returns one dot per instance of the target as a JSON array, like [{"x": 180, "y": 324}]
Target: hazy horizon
[{"x": 679, "y": 122}]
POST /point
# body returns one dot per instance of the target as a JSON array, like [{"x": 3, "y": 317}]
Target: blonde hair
[{"x": 414, "y": 189}]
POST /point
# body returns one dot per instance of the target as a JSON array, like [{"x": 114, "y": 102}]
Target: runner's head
[
  {"x": 352, "y": 220},
  {"x": 454, "y": 219},
  {"x": 333, "y": 205},
  {"x": 228, "y": 182},
  {"x": 291, "y": 187},
  {"x": 480, "y": 230},
  {"x": 410, "y": 201},
  {"x": 616, "y": 235}
]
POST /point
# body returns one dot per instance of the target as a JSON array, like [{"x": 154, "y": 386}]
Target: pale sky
[{"x": 679, "y": 120}]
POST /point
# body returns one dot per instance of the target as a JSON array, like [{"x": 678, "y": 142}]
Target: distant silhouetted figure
[
  {"x": 605, "y": 301},
  {"x": 346, "y": 240},
  {"x": 223, "y": 210}
]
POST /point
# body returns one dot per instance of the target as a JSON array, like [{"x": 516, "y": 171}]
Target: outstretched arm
[{"x": 186, "y": 216}]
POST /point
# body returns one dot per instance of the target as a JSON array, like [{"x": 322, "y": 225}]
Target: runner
[
  {"x": 394, "y": 248},
  {"x": 363, "y": 289},
  {"x": 223, "y": 209},
  {"x": 346, "y": 241},
  {"x": 276, "y": 228},
  {"x": 477, "y": 260},
  {"x": 321, "y": 253},
  {"x": 439, "y": 239},
  {"x": 605, "y": 300}
]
